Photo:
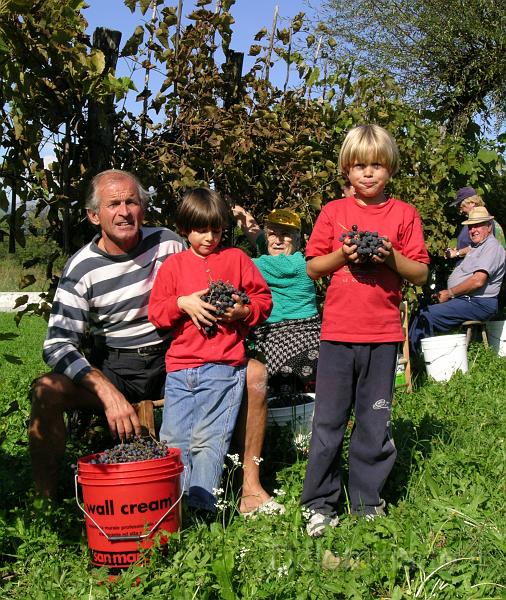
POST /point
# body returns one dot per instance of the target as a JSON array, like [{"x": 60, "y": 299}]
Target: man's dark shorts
[{"x": 137, "y": 375}]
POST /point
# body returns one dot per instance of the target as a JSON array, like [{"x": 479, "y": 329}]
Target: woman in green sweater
[{"x": 289, "y": 339}]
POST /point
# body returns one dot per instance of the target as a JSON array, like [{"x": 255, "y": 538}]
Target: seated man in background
[{"x": 473, "y": 286}]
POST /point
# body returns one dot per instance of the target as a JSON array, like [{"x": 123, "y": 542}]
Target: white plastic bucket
[
  {"x": 444, "y": 355},
  {"x": 496, "y": 333},
  {"x": 298, "y": 417}
]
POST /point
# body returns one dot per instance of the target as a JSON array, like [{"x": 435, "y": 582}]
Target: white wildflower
[
  {"x": 301, "y": 442},
  {"x": 218, "y": 492},
  {"x": 279, "y": 492},
  {"x": 234, "y": 458},
  {"x": 307, "y": 513},
  {"x": 257, "y": 460},
  {"x": 283, "y": 571},
  {"x": 221, "y": 504}
]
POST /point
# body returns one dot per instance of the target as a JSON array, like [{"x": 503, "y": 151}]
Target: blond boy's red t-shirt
[{"x": 362, "y": 301}]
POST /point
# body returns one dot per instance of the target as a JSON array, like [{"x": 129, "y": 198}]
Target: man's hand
[
  {"x": 121, "y": 416},
  {"x": 200, "y": 312},
  {"x": 443, "y": 296}
]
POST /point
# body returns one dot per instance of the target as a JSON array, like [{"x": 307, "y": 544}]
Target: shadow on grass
[
  {"x": 8, "y": 337},
  {"x": 15, "y": 478},
  {"x": 414, "y": 443}
]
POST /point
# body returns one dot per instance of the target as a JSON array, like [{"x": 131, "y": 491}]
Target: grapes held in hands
[
  {"x": 368, "y": 242},
  {"x": 220, "y": 295}
]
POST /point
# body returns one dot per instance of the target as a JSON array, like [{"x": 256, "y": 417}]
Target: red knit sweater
[{"x": 189, "y": 273}]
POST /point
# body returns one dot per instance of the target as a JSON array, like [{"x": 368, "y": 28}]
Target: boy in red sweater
[
  {"x": 205, "y": 371},
  {"x": 361, "y": 328}
]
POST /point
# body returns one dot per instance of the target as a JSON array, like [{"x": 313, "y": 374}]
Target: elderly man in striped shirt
[{"x": 103, "y": 291}]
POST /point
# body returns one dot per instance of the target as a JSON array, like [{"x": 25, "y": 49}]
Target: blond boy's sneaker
[
  {"x": 373, "y": 512},
  {"x": 318, "y": 523}
]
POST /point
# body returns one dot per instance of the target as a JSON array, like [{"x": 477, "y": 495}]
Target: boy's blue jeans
[{"x": 199, "y": 415}]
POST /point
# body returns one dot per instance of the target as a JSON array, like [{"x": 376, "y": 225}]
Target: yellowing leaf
[
  {"x": 260, "y": 34},
  {"x": 20, "y": 300},
  {"x": 97, "y": 61},
  {"x": 144, "y": 6},
  {"x": 330, "y": 561},
  {"x": 25, "y": 281}
]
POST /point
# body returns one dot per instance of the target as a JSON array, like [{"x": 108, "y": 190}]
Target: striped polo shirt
[{"x": 107, "y": 296}]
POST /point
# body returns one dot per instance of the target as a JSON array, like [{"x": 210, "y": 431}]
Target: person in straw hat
[
  {"x": 467, "y": 199},
  {"x": 473, "y": 286}
]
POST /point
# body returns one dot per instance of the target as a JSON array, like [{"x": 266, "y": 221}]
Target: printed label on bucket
[
  {"x": 109, "y": 507},
  {"x": 100, "y": 558}
]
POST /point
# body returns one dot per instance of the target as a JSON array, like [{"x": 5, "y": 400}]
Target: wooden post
[
  {"x": 288, "y": 60},
  {"x": 12, "y": 219},
  {"x": 233, "y": 77},
  {"x": 144, "y": 114},
  {"x": 176, "y": 53},
  {"x": 271, "y": 44},
  {"x": 101, "y": 114},
  {"x": 316, "y": 54}
]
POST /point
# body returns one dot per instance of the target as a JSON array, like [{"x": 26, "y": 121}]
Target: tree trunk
[
  {"x": 101, "y": 114},
  {"x": 233, "y": 72},
  {"x": 12, "y": 220}
]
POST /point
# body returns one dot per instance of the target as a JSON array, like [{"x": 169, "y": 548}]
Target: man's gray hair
[{"x": 92, "y": 198}]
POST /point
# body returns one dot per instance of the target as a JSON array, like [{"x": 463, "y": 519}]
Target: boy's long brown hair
[{"x": 202, "y": 208}]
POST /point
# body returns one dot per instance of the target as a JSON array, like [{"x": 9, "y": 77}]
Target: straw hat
[
  {"x": 478, "y": 215},
  {"x": 285, "y": 217}
]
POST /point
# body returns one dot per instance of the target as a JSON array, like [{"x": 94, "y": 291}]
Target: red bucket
[
  {"x": 138, "y": 468},
  {"x": 129, "y": 505}
]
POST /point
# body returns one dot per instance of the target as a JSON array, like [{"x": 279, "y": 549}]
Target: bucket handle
[
  {"x": 129, "y": 538},
  {"x": 429, "y": 362}
]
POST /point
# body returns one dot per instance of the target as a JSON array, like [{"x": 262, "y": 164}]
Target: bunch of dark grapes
[
  {"x": 368, "y": 242},
  {"x": 132, "y": 450},
  {"x": 220, "y": 296}
]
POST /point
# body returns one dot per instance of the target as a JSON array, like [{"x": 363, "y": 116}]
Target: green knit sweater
[{"x": 293, "y": 292}]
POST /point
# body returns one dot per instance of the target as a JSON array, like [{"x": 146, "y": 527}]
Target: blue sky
[{"x": 250, "y": 16}]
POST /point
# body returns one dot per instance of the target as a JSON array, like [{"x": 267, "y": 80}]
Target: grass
[
  {"x": 444, "y": 536},
  {"x": 12, "y": 273},
  {"x": 37, "y": 253}
]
